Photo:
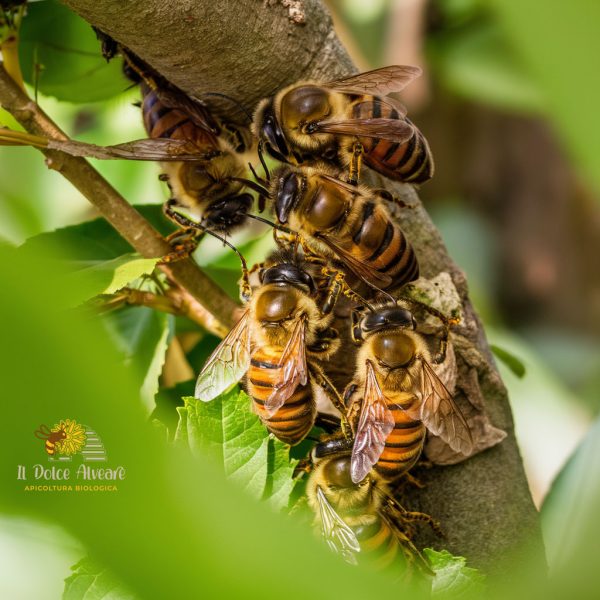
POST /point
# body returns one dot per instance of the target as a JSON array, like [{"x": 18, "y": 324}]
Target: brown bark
[{"x": 250, "y": 48}]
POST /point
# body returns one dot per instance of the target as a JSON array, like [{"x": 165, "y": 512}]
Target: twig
[{"x": 212, "y": 307}]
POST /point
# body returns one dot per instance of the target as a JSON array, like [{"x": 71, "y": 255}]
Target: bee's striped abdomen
[
  {"x": 162, "y": 121},
  {"x": 292, "y": 422},
  {"x": 410, "y": 162},
  {"x": 404, "y": 444},
  {"x": 380, "y": 243},
  {"x": 378, "y": 543}
]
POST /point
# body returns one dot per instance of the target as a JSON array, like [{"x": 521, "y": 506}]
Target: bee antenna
[
  {"x": 232, "y": 100},
  {"x": 257, "y": 187},
  {"x": 261, "y": 157}
]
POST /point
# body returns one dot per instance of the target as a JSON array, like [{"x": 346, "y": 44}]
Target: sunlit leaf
[
  {"x": 453, "y": 579},
  {"x": 280, "y": 482},
  {"x": 571, "y": 505},
  {"x": 228, "y": 430},
  {"x": 92, "y": 582},
  {"x": 107, "y": 277},
  {"x": 60, "y": 54}
]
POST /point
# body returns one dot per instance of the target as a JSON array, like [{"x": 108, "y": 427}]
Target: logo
[
  {"x": 68, "y": 438},
  {"x": 69, "y": 447}
]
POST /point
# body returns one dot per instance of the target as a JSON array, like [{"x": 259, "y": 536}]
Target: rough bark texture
[{"x": 248, "y": 49}]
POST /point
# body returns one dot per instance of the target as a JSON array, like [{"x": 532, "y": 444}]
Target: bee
[
  {"x": 360, "y": 520},
  {"x": 347, "y": 224},
  {"x": 346, "y": 121},
  {"x": 51, "y": 437},
  {"x": 206, "y": 188},
  {"x": 278, "y": 341},
  {"x": 204, "y": 185},
  {"x": 396, "y": 396}
]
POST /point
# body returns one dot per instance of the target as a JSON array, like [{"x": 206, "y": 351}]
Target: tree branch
[
  {"x": 248, "y": 49},
  {"x": 212, "y": 301}
]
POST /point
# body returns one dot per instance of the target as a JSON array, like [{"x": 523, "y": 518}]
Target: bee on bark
[
  {"x": 204, "y": 185},
  {"x": 278, "y": 344},
  {"x": 346, "y": 121},
  {"x": 348, "y": 225},
  {"x": 360, "y": 520},
  {"x": 396, "y": 396}
]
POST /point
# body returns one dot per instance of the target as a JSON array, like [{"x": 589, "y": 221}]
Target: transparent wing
[
  {"x": 379, "y": 82},
  {"x": 440, "y": 414},
  {"x": 162, "y": 149},
  {"x": 293, "y": 369},
  {"x": 361, "y": 269},
  {"x": 339, "y": 536},
  {"x": 227, "y": 364},
  {"x": 374, "y": 425},
  {"x": 393, "y": 130}
]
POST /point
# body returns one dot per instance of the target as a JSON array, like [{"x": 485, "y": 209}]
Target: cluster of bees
[{"x": 339, "y": 241}]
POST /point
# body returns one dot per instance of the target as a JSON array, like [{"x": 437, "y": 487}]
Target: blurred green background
[{"x": 509, "y": 104}]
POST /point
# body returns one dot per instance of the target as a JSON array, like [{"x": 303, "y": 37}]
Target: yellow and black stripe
[
  {"x": 379, "y": 242},
  {"x": 293, "y": 421},
  {"x": 404, "y": 444},
  {"x": 410, "y": 162},
  {"x": 162, "y": 121}
]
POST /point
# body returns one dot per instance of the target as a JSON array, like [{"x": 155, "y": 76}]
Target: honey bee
[
  {"x": 360, "y": 520},
  {"x": 396, "y": 395},
  {"x": 206, "y": 188},
  {"x": 346, "y": 121},
  {"x": 51, "y": 437},
  {"x": 277, "y": 342},
  {"x": 347, "y": 224}
]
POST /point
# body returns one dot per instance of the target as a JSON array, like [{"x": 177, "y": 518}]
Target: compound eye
[
  {"x": 275, "y": 305},
  {"x": 337, "y": 472},
  {"x": 394, "y": 350},
  {"x": 303, "y": 105}
]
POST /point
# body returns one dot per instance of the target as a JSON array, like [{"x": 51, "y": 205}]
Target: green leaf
[
  {"x": 510, "y": 360},
  {"x": 280, "y": 473},
  {"x": 97, "y": 239},
  {"x": 228, "y": 430},
  {"x": 63, "y": 49},
  {"x": 556, "y": 47},
  {"x": 453, "y": 579},
  {"x": 109, "y": 276},
  {"x": 92, "y": 582},
  {"x": 571, "y": 506},
  {"x": 142, "y": 336}
]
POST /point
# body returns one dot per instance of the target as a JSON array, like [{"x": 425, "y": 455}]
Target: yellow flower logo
[{"x": 75, "y": 437}]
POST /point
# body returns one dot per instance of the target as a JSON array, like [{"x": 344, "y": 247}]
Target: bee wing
[
  {"x": 393, "y": 130},
  {"x": 440, "y": 414},
  {"x": 379, "y": 82},
  {"x": 371, "y": 276},
  {"x": 161, "y": 149},
  {"x": 227, "y": 364},
  {"x": 42, "y": 432},
  {"x": 196, "y": 110},
  {"x": 293, "y": 369},
  {"x": 374, "y": 425},
  {"x": 338, "y": 535}
]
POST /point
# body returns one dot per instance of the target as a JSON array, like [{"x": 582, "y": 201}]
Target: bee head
[
  {"x": 269, "y": 131},
  {"x": 226, "y": 213},
  {"x": 386, "y": 317}
]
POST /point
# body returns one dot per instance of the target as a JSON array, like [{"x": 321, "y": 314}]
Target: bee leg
[
  {"x": 355, "y": 163},
  {"x": 322, "y": 380},
  {"x": 353, "y": 406},
  {"x": 412, "y": 480}
]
